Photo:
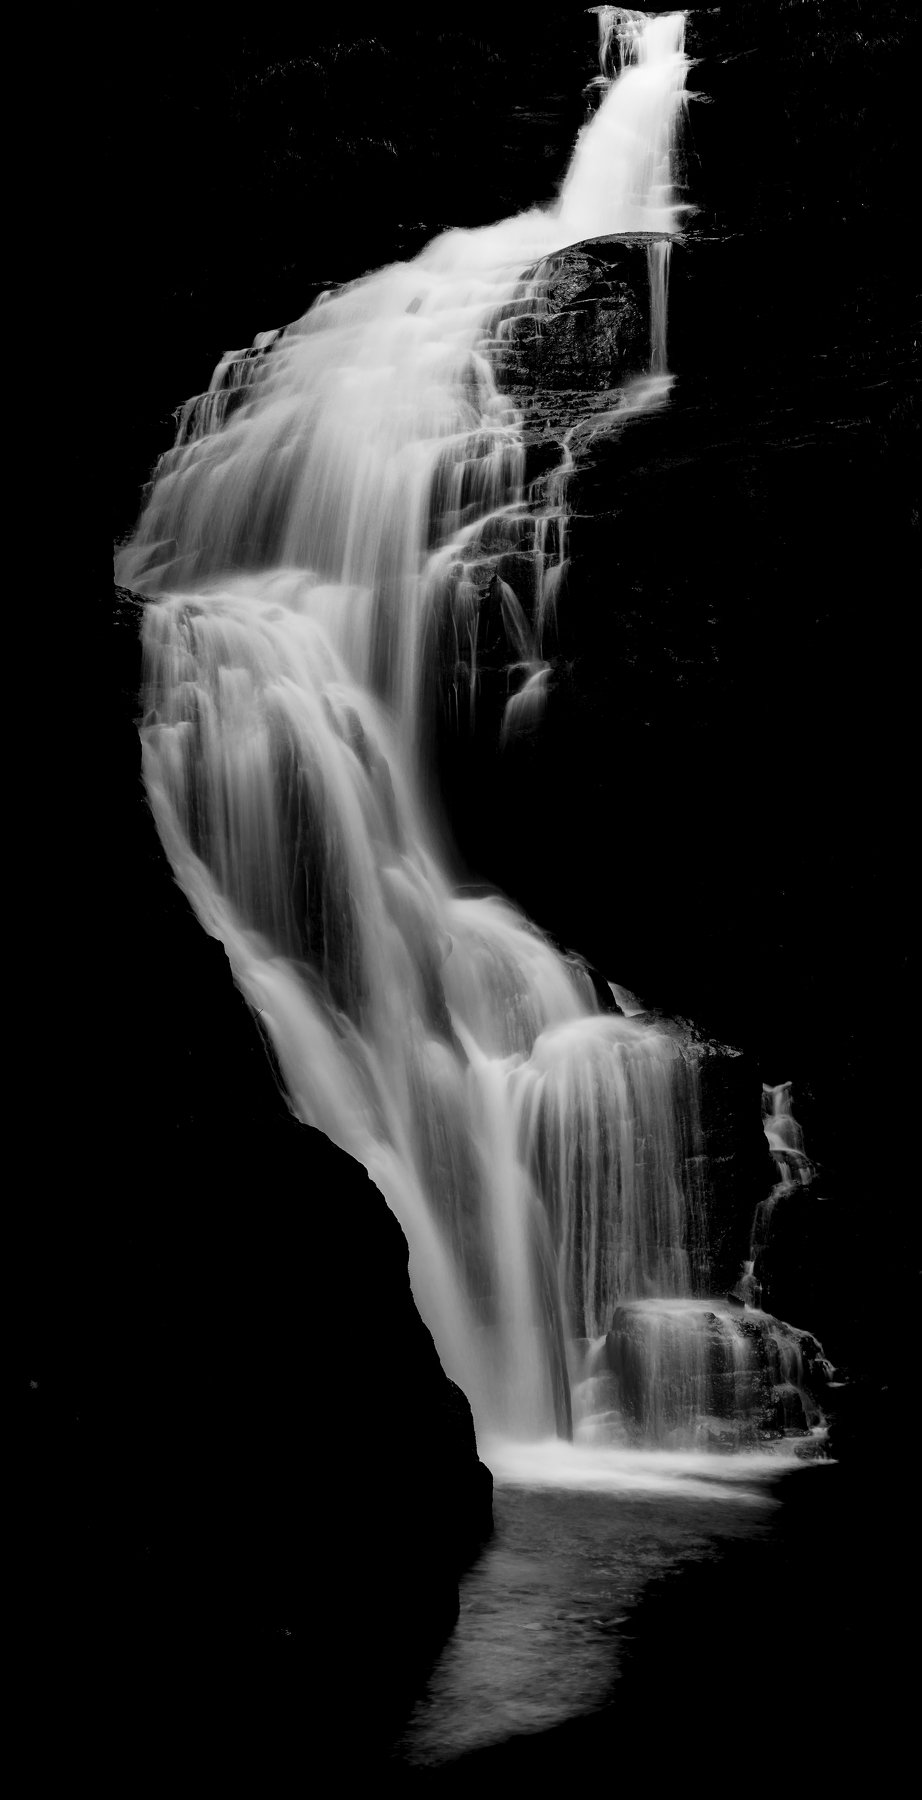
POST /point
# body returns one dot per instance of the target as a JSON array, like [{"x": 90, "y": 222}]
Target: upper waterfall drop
[
  {"x": 622, "y": 167},
  {"x": 333, "y": 511},
  {"x": 325, "y": 447}
]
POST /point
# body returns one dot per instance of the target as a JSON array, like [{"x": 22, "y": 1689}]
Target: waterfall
[
  {"x": 631, "y": 147},
  {"x": 794, "y": 1170},
  {"x": 317, "y": 551},
  {"x": 785, "y": 1138}
]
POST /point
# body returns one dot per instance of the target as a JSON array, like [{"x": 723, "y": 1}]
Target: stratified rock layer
[{"x": 589, "y": 332}]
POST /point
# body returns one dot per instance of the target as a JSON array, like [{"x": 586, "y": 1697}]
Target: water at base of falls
[
  {"x": 592, "y": 1467},
  {"x": 553, "y": 1603}
]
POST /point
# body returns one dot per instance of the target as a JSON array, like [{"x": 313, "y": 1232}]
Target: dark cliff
[{"x": 248, "y": 1476}]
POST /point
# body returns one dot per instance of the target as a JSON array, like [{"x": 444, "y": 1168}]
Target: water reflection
[{"x": 547, "y": 1611}]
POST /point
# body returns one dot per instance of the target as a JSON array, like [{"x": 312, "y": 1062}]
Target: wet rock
[
  {"x": 735, "y": 1169},
  {"x": 791, "y": 1410},
  {"x": 689, "y": 1371},
  {"x": 588, "y": 332},
  {"x": 725, "y": 1435}
]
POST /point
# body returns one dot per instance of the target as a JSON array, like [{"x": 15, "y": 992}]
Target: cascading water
[
  {"x": 794, "y": 1170},
  {"x": 630, "y": 40},
  {"x": 785, "y": 1138},
  {"x": 317, "y": 550}
]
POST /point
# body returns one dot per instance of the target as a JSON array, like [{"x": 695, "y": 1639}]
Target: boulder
[
  {"x": 565, "y": 356},
  {"x": 591, "y": 326},
  {"x": 701, "y": 1371}
]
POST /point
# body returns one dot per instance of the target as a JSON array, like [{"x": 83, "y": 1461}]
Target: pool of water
[{"x": 547, "y": 1611}]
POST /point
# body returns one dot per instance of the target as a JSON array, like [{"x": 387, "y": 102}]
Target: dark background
[{"x": 716, "y": 812}]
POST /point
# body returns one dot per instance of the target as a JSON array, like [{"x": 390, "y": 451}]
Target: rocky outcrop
[
  {"x": 699, "y": 1372},
  {"x": 566, "y": 357},
  {"x": 591, "y": 324}
]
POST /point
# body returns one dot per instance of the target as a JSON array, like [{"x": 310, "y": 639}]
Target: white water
[
  {"x": 785, "y": 1138},
  {"x": 317, "y": 549},
  {"x": 612, "y": 1469},
  {"x": 794, "y": 1170}
]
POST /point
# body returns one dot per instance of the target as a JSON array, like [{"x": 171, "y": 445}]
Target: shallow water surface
[{"x": 548, "y": 1608}]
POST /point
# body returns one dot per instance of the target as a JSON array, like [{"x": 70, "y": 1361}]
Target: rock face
[
  {"x": 593, "y": 321},
  {"x": 568, "y": 357},
  {"x": 698, "y": 1372},
  {"x": 739, "y": 1169},
  {"x": 243, "y": 1444},
  {"x": 733, "y": 1170}
]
